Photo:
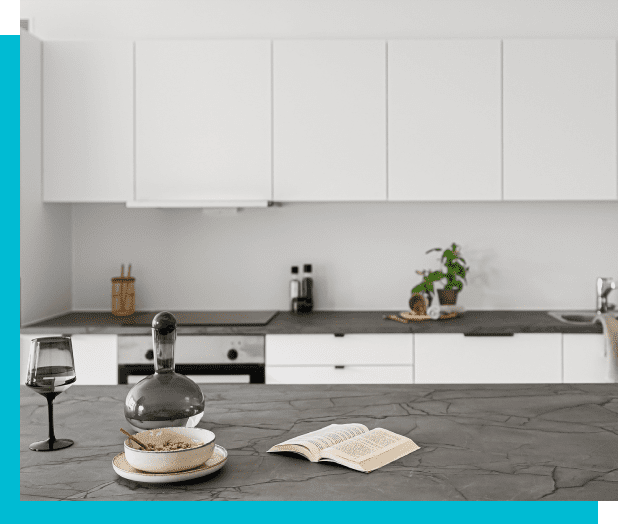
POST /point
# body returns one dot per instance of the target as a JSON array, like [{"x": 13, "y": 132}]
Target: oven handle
[{"x": 256, "y": 372}]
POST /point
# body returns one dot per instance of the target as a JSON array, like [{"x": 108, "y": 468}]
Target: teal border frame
[{"x": 9, "y": 178}]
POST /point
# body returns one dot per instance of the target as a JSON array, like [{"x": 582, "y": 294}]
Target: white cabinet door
[
  {"x": 331, "y": 350},
  {"x": 203, "y": 120},
  {"x": 329, "y": 120},
  {"x": 457, "y": 359},
  {"x": 444, "y": 120},
  {"x": 96, "y": 359},
  {"x": 87, "y": 121},
  {"x": 586, "y": 359},
  {"x": 560, "y": 120},
  {"x": 339, "y": 375}
]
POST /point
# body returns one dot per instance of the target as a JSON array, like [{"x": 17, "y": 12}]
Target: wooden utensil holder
[{"x": 123, "y": 296}]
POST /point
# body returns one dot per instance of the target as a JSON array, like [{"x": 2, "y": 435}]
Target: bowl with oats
[{"x": 170, "y": 449}]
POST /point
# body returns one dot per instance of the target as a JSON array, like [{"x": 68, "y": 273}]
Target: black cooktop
[{"x": 144, "y": 318}]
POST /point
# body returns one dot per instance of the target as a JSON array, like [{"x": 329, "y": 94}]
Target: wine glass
[{"x": 50, "y": 372}]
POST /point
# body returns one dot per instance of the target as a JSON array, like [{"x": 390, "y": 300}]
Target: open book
[{"x": 351, "y": 445}]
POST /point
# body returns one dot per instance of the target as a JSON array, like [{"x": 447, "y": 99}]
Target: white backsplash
[{"x": 523, "y": 255}]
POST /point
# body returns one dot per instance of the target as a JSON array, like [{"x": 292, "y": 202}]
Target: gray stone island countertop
[
  {"x": 489, "y": 442},
  {"x": 474, "y": 321}
]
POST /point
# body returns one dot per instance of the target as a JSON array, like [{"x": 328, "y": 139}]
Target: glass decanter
[{"x": 167, "y": 398}]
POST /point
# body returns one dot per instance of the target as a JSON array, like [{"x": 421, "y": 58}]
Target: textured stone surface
[
  {"x": 475, "y": 322},
  {"x": 489, "y": 442}
]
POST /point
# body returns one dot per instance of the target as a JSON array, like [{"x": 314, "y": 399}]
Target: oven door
[
  {"x": 206, "y": 359},
  {"x": 199, "y": 373}
]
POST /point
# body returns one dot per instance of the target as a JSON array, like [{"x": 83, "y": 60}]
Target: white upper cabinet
[
  {"x": 203, "y": 120},
  {"x": 444, "y": 120},
  {"x": 87, "y": 121},
  {"x": 329, "y": 120},
  {"x": 560, "y": 120}
]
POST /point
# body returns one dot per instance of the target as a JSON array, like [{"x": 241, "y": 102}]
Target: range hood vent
[{"x": 184, "y": 204}]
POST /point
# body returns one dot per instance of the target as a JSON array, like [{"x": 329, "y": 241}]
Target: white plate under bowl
[{"x": 214, "y": 463}]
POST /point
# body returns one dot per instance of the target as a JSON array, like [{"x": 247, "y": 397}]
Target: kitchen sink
[{"x": 577, "y": 317}]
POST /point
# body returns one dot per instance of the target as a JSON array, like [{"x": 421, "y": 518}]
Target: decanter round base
[{"x": 51, "y": 445}]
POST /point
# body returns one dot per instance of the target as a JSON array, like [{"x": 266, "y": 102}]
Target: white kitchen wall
[
  {"x": 523, "y": 255},
  {"x": 45, "y": 242},
  {"x": 129, "y": 19}
]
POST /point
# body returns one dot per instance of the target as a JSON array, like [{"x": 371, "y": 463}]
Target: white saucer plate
[{"x": 214, "y": 463}]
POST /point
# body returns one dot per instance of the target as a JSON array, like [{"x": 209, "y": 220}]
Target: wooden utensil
[{"x": 134, "y": 439}]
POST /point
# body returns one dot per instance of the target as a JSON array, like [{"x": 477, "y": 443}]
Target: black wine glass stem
[{"x": 50, "y": 413}]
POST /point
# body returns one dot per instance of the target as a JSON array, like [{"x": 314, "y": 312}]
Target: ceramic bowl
[{"x": 169, "y": 461}]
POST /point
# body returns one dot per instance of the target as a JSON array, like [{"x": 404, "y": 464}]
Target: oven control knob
[
  {"x": 150, "y": 354},
  {"x": 232, "y": 354}
]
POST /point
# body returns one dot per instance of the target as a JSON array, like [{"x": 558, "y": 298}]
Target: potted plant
[
  {"x": 455, "y": 273},
  {"x": 426, "y": 286}
]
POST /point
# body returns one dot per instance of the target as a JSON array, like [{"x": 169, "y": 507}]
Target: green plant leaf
[
  {"x": 435, "y": 276},
  {"x": 419, "y": 289},
  {"x": 449, "y": 256},
  {"x": 457, "y": 269}
]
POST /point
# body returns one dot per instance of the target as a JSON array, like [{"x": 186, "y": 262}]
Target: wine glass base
[{"x": 51, "y": 445}]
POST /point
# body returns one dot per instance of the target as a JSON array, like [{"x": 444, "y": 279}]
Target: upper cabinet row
[{"x": 329, "y": 120}]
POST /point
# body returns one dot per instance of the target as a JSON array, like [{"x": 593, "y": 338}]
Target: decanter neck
[
  {"x": 164, "y": 340},
  {"x": 164, "y": 352}
]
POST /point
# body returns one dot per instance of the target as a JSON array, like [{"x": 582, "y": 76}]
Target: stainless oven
[{"x": 203, "y": 358}]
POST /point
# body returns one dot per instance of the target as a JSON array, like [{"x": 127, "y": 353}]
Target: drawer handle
[
  {"x": 339, "y": 367},
  {"x": 488, "y": 334},
  {"x": 339, "y": 334}
]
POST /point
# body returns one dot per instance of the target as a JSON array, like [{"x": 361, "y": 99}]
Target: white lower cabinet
[
  {"x": 586, "y": 359},
  {"x": 331, "y": 359},
  {"x": 339, "y": 374},
  {"x": 460, "y": 359},
  {"x": 95, "y": 357}
]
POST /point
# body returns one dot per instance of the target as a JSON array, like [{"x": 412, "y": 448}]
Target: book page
[
  {"x": 317, "y": 441},
  {"x": 371, "y": 450},
  {"x": 296, "y": 448}
]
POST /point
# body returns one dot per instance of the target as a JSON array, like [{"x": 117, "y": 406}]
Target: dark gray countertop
[
  {"x": 489, "y": 442},
  {"x": 475, "y": 321}
]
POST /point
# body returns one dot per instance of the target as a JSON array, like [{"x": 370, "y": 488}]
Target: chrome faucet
[{"x": 604, "y": 287}]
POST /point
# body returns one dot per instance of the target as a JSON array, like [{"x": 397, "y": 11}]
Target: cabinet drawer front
[
  {"x": 332, "y": 375},
  {"x": 456, "y": 359},
  {"x": 282, "y": 350},
  {"x": 586, "y": 359}
]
